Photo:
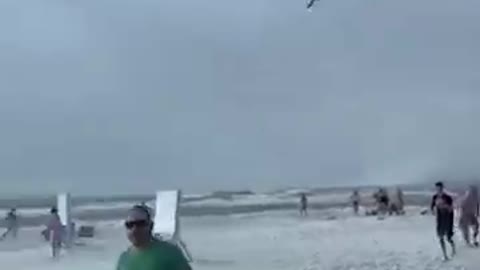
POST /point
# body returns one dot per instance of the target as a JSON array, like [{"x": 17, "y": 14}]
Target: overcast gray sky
[{"x": 111, "y": 96}]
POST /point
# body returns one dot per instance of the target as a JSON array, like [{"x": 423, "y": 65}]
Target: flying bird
[{"x": 310, "y": 3}]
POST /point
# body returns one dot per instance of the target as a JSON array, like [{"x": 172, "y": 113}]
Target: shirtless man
[
  {"x": 469, "y": 215},
  {"x": 442, "y": 207}
]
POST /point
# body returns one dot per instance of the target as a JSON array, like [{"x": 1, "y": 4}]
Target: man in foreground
[
  {"x": 146, "y": 252},
  {"x": 442, "y": 207}
]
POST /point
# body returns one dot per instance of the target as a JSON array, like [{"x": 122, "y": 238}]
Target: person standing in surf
[
  {"x": 442, "y": 207},
  {"x": 146, "y": 252},
  {"x": 355, "y": 200},
  {"x": 303, "y": 205},
  {"x": 470, "y": 209},
  {"x": 55, "y": 232}
]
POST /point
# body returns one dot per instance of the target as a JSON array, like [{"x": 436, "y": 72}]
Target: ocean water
[
  {"x": 34, "y": 211},
  {"x": 332, "y": 239}
]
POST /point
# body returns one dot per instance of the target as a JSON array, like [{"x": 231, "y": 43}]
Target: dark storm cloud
[{"x": 118, "y": 96}]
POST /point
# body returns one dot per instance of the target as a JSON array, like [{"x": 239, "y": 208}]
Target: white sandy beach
[{"x": 279, "y": 240}]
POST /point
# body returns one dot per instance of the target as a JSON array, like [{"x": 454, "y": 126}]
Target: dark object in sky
[{"x": 310, "y": 3}]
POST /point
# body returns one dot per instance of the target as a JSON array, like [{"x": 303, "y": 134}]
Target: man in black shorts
[{"x": 442, "y": 207}]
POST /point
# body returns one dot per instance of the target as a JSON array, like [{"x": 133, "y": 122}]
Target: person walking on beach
[
  {"x": 303, "y": 204},
  {"x": 355, "y": 200},
  {"x": 400, "y": 202},
  {"x": 470, "y": 209},
  {"x": 442, "y": 207},
  {"x": 146, "y": 252},
  {"x": 55, "y": 232},
  {"x": 383, "y": 201},
  {"x": 11, "y": 221}
]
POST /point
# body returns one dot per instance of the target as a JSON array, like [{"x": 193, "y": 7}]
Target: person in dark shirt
[{"x": 442, "y": 207}]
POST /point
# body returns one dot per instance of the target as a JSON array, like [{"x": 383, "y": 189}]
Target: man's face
[
  {"x": 138, "y": 227},
  {"x": 439, "y": 189}
]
